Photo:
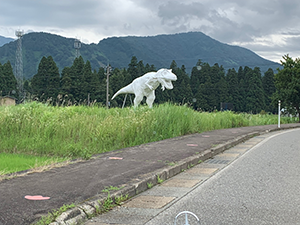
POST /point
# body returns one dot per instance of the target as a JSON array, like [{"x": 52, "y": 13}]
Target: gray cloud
[{"x": 268, "y": 27}]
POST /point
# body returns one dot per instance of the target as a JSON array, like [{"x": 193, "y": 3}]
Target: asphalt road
[{"x": 260, "y": 187}]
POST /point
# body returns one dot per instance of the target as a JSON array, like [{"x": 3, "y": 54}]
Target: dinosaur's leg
[
  {"x": 150, "y": 99},
  {"x": 137, "y": 100}
]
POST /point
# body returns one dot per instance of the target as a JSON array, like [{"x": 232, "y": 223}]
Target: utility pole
[
  {"x": 108, "y": 68},
  {"x": 279, "y": 114}
]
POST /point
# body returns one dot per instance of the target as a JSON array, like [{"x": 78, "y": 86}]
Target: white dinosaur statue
[{"x": 146, "y": 85}]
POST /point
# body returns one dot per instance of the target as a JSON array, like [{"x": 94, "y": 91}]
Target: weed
[
  {"x": 200, "y": 161},
  {"x": 108, "y": 204},
  {"x": 149, "y": 185},
  {"x": 111, "y": 188},
  {"x": 120, "y": 199},
  {"x": 98, "y": 208},
  {"x": 170, "y": 163},
  {"x": 190, "y": 166},
  {"x": 159, "y": 180},
  {"x": 51, "y": 217}
]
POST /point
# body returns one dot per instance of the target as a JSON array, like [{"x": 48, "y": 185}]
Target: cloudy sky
[{"x": 270, "y": 28}]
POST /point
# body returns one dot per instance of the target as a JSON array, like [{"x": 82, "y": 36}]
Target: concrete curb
[{"x": 89, "y": 208}]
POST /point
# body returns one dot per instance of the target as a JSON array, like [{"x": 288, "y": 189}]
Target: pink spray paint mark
[
  {"x": 193, "y": 145},
  {"x": 206, "y": 136},
  {"x": 115, "y": 158},
  {"x": 36, "y": 197}
]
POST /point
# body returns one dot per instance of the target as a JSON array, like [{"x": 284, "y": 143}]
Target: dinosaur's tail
[{"x": 125, "y": 90}]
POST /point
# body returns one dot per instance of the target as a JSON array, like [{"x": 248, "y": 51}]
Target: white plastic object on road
[{"x": 186, "y": 217}]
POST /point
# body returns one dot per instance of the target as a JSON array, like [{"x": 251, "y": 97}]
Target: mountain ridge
[
  {"x": 160, "y": 50},
  {"x": 5, "y": 40}
]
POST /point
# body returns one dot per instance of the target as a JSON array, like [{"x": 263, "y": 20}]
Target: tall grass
[
  {"x": 78, "y": 131},
  {"x": 11, "y": 163}
]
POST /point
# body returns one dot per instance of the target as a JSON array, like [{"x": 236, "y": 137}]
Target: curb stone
[{"x": 83, "y": 211}]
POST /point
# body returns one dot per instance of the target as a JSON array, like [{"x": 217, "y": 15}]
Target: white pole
[{"x": 279, "y": 114}]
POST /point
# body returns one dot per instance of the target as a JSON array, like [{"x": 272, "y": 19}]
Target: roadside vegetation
[
  {"x": 12, "y": 163},
  {"x": 41, "y": 130}
]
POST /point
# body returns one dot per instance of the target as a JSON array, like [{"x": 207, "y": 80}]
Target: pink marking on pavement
[
  {"x": 192, "y": 145},
  {"x": 36, "y": 197},
  {"x": 115, "y": 158},
  {"x": 205, "y": 136}
]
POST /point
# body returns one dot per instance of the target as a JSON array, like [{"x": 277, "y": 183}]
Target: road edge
[{"x": 88, "y": 209}]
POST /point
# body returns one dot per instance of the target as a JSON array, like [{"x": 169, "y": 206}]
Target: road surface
[{"x": 260, "y": 187}]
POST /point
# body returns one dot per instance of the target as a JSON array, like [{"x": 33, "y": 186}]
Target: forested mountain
[
  {"x": 37, "y": 45},
  {"x": 160, "y": 51},
  {"x": 5, "y": 40},
  {"x": 184, "y": 48}
]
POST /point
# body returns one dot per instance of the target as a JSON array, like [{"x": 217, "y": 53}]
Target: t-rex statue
[{"x": 146, "y": 85}]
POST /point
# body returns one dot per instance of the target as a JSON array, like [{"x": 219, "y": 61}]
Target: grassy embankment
[{"x": 36, "y": 129}]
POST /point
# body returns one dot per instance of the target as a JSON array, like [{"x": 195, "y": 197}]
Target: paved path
[
  {"x": 255, "y": 182},
  {"x": 140, "y": 165},
  {"x": 261, "y": 187}
]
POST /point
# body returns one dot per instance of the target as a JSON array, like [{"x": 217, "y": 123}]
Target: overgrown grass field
[
  {"x": 79, "y": 131},
  {"x": 11, "y": 163}
]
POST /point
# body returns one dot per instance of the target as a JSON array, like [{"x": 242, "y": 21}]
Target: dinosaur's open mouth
[{"x": 168, "y": 83}]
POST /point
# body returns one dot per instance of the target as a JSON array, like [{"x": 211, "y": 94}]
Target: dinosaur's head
[{"x": 165, "y": 78}]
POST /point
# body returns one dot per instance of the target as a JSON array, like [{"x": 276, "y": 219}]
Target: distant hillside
[
  {"x": 37, "y": 45},
  {"x": 5, "y": 40},
  {"x": 184, "y": 48}
]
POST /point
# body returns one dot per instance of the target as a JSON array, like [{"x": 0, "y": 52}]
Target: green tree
[
  {"x": 233, "y": 89},
  {"x": 66, "y": 84},
  {"x": 140, "y": 68},
  {"x": 287, "y": 83},
  {"x": 149, "y": 68},
  {"x": 182, "y": 92},
  {"x": 201, "y": 86},
  {"x": 202, "y": 97},
  {"x": 9, "y": 80},
  {"x": 116, "y": 83},
  {"x": 195, "y": 77},
  {"x": 222, "y": 87},
  {"x": 53, "y": 79},
  {"x": 269, "y": 89},
  {"x": 46, "y": 83},
  {"x": 77, "y": 79},
  {"x": 87, "y": 87},
  {"x": 240, "y": 74},
  {"x": 219, "y": 91},
  {"x": 132, "y": 70},
  {"x": 39, "y": 80},
  {"x": 95, "y": 87},
  {"x": 101, "y": 76},
  {"x": 2, "y": 81},
  {"x": 27, "y": 87},
  {"x": 255, "y": 98}
]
